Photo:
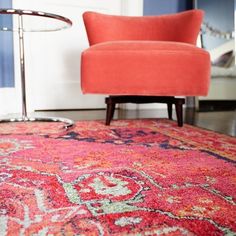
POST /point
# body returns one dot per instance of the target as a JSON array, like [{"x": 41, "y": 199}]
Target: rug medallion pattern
[{"x": 135, "y": 177}]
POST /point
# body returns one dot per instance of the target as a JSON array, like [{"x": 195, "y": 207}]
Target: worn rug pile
[{"x": 135, "y": 177}]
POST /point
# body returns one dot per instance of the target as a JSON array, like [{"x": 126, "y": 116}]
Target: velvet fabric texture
[
  {"x": 153, "y": 55},
  {"x": 179, "y": 27}
]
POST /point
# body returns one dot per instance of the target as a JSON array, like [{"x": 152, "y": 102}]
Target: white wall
[{"x": 53, "y": 59}]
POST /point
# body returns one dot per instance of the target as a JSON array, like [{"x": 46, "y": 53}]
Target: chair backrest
[{"x": 180, "y": 27}]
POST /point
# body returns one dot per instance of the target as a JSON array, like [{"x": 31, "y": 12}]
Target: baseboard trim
[{"x": 217, "y": 105}]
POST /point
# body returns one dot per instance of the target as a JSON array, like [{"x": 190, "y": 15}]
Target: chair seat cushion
[{"x": 157, "y": 68}]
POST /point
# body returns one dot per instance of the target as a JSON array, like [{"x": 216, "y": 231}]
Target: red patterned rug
[{"x": 135, "y": 177}]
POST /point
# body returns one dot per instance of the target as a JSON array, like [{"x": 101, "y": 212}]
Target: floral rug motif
[{"x": 134, "y": 177}]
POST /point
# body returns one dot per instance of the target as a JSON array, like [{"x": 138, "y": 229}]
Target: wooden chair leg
[
  {"x": 179, "y": 111},
  {"x": 111, "y": 102},
  {"x": 169, "y": 108},
  {"x": 110, "y": 110}
]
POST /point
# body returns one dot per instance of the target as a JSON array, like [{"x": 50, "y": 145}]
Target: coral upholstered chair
[{"x": 144, "y": 59}]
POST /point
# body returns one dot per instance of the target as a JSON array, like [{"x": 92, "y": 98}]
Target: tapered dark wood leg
[
  {"x": 110, "y": 110},
  {"x": 169, "y": 108},
  {"x": 179, "y": 111},
  {"x": 111, "y": 102}
]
